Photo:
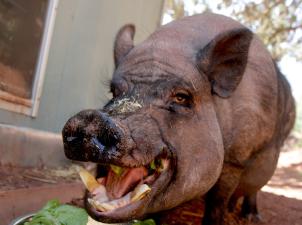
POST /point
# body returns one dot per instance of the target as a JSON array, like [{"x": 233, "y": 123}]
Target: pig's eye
[
  {"x": 181, "y": 102},
  {"x": 182, "y": 98}
]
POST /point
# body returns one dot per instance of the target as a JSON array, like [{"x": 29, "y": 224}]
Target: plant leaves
[
  {"x": 55, "y": 214},
  {"x": 145, "y": 222}
]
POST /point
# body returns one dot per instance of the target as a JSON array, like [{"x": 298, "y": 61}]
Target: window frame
[{"x": 30, "y": 106}]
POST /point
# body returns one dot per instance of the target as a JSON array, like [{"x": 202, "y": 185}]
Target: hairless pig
[{"x": 199, "y": 108}]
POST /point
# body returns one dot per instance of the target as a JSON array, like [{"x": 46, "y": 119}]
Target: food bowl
[{"x": 21, "y": 220}]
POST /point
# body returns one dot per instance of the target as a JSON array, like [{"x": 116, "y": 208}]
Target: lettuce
[
  {"x": 145, "y": 222},
  {"x": 53, "y": 213}
]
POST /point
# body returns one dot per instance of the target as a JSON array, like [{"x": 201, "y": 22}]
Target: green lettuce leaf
[
  {"x": 55, "y": 214},
  {"x": 145, "y": 222}
]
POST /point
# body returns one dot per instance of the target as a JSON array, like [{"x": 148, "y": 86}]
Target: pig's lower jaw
[{"x": 115, "y": 201}]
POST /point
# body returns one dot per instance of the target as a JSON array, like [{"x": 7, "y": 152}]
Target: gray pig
[{"x": 199, "y": 108}]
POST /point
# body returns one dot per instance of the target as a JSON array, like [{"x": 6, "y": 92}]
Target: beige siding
[{"x": 80, "y": 60}]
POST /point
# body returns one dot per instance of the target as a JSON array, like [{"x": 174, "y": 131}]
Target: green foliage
[
  {"x": 55, "y": 214},
  {"x": 278, "y": 23},
  {"x": 116, "y": 169},
  {"x": 145, "y": 222}
]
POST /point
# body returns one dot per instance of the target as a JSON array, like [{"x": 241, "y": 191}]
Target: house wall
[{"x": 80, "y": 60}]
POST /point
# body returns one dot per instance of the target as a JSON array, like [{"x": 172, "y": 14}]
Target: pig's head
[{"x": 160, "y": 128}]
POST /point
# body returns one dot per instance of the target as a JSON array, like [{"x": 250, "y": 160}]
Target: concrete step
[{"x": 31, "y": 148}]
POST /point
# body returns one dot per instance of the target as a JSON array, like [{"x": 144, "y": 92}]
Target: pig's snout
[{"x": 91, "y": 136}]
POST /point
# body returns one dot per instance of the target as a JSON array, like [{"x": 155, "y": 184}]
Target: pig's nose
[{"x": 88, "y": 134}]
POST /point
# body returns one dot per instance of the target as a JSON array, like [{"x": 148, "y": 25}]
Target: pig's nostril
[{"x": 97, "y": 144}]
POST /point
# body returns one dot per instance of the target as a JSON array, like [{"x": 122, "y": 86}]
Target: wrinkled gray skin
[{"x": 203, "y": 89}]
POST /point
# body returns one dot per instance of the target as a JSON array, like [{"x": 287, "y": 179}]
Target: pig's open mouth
[{"x": 122, "y": 193}]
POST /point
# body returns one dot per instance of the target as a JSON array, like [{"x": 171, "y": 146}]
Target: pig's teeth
[
  {"x": 100, "y": 194},
  {"x": 95, "y": 204},
  {"x": 102, "y": 204},
  {"x": 140, "y": 192},
  {"x": 88, "y": 179},
  {"x": 109, "y": 206},
  {"x": 164, "y": 165}
]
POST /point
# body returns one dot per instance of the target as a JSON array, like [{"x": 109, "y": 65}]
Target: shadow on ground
[{"x": 274, "y": 210}]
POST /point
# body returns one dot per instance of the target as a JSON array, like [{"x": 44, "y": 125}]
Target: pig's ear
[
  {"x": 224, "y": 60},
  {"x": 123, "y": 42}
]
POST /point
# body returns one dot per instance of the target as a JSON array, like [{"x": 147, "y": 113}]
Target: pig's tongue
[{"x": 117, "y": 185}]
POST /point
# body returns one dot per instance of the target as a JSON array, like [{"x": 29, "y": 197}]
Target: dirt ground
[
  {"x": 280, "y": 202},
  {"x": 13, "y": 178},
  {"x": 274, "y": 210}
]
